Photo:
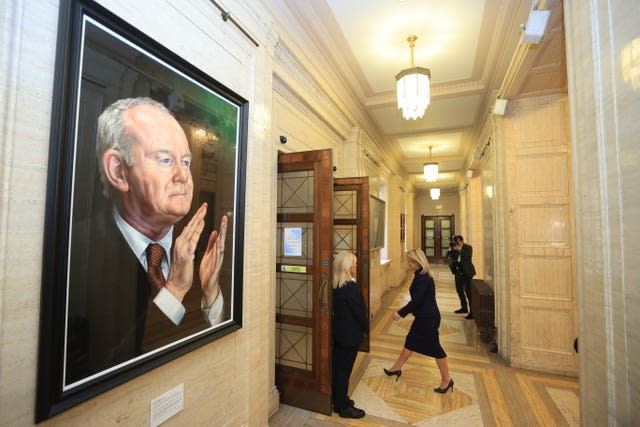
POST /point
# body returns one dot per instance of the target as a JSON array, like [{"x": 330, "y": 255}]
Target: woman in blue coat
[
  {"x": 350, "y": 323},
  {"x": 423, "y": 336}
]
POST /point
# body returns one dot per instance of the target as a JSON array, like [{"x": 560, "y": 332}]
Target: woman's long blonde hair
[
  {"x": 341, "y": 266},
  {"x": 418, "y": 256}
]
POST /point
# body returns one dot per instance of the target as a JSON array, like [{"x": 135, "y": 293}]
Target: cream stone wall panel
[
  {"x": 475, "y": 234},
  {"x": 541, "y": 121},
  {"x": 26, "y": 57},
  {"x": 501, "y": 235},
  {"x": 544, "y": 226},
  {"x": 539, "y": 224},
  {"x": 219, "y": 389},
  {"x": 543, "y": 326},
  {"x": 537, "y": 272},
  {"x": 604, "y": 112},
  {"x": 542, "y": 175},
  {"x": 301, "y": 79},
  {"x": 488, "y": 188},
  {"x": 302, "y": 133}
]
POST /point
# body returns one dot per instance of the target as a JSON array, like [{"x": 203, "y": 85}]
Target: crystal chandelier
[
  {"x": 430, "y": 169},
  {"x": 412, "y": 88}
]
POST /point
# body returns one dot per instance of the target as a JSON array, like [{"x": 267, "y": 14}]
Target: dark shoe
[
  {"x": 351, "y": 412},
  {"x": 461, "y": 310},
  {"x": 392, "y": 373},
  {"x": 444, "y": 390},
  {"x": 351, "y": 403},
  {"x": 469, "y": 316}
]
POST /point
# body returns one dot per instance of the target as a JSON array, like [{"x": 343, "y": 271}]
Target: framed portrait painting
[{"x": 143, "y": 248}]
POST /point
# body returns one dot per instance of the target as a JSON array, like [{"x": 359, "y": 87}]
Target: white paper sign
[
  {"x": 292, "y": 241},
  {"x": 166, "y": 406}
]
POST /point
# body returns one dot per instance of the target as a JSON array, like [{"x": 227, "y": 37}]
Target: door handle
[{"x": 324, "y": 297}]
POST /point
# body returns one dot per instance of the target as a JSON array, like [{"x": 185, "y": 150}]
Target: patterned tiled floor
[{"x": 486, "y": 391}]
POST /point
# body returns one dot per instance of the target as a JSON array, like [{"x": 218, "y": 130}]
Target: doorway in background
[{"x": 436, "y": 232}]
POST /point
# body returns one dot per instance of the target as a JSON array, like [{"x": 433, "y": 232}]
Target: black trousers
[
  {"x": 463, "y": 286},
  {"x": 343, "y": 360}
]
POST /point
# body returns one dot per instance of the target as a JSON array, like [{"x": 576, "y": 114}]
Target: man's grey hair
[{"x": 112, "y": 135}]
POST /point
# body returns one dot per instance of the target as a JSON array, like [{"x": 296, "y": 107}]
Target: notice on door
[{"x": 292, "y": 241}]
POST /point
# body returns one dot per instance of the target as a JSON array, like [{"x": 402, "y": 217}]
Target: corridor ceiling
[{"x": 473, "y": 50}]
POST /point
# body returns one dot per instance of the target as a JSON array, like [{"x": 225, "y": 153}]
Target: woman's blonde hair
[
  {"x": 341, "y": 266},
  {"x": 418, "y": 256}
]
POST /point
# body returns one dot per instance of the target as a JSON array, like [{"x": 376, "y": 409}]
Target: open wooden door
[
  {"x": 351, "y": 230},
  {"x": 303, "y": 280}
]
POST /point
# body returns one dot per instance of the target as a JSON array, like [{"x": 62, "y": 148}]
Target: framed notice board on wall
[{"x": 377, "y": 222}]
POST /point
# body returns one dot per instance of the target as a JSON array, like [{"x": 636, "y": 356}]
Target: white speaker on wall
[
  {"x": 537, "y": 23},
  {"x": 500, "y": 106}
]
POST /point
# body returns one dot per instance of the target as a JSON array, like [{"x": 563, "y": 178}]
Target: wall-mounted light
[{"x": 489, "y": 191}]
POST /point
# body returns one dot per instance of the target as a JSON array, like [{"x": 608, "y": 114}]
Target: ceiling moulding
[
  {"x": 298, "y": 74},
  {"x": 283, "y": 89},
  {"x": 319, "y": 34}
]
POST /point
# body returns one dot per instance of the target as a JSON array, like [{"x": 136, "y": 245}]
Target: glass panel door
[{"x": 303, "y": 280}]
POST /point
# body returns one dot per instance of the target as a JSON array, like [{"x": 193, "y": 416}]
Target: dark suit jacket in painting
[
  {"x": 350, "y": 321},
  {"x": 111, "y": 315},
  {"x": 466, "y": 253}
]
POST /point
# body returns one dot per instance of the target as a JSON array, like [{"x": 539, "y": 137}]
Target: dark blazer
[
  {"x": 466, "y": 253},
  {"x": 423, "y": 297},
  {"x": 111, "y": 315},
  {"x": 350, "y": 321}
]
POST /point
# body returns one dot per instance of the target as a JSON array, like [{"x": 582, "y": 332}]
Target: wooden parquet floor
[{"x": 487, "y": 392}]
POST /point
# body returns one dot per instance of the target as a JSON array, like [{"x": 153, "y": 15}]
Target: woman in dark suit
[
  {"x": 423, "y": 335},
  {"x": 350, "y": 323}
]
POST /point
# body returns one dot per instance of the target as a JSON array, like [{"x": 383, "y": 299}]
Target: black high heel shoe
[
  {"x": 392, "y": 373},
  {"x": 444, "y": 390}
]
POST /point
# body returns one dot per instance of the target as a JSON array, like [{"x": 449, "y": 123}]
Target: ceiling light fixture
[
  {"x": 435, "y": 193},
  {"x": 430, "y": 169},
  {"x": 412, "y": 88}
]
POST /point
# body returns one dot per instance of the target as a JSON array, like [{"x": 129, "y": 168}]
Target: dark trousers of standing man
[
  {"x": 343, "y": 360},
  {"x": 463, "y": 286}
]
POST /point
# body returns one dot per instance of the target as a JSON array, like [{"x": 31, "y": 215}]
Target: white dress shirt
[{"x": 165, "y": 301}]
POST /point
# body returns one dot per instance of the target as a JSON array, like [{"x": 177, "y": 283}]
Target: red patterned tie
[{"x": 155, "y": 253}]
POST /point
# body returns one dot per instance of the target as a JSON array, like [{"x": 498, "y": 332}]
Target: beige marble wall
[
  {"x": 475, "y": 235},
  {"x": 225, "y": 382},
  {"x": 448, "y": 204},
  {"x": 604, "y": 103},
  {"x": 538, "y": 235}
]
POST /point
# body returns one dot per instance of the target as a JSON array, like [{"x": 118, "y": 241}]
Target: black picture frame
[{"x": 100, "y": 59}]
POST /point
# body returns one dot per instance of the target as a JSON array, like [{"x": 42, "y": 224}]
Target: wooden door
[
  {"x": 303, "y": 280},
  {"x": 351, "y": 230},
  {"x": 436, "y": 232}
]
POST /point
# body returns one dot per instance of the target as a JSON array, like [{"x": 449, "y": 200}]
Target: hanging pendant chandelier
[
  {"x": 430, "y": 169},
  {"x": 435, "y": 193},
  {"x": 412, "y": 88}
]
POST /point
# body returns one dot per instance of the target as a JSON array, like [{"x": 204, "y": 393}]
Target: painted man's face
[{"x": 160, "y": 182}]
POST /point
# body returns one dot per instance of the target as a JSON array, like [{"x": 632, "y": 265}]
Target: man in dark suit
[
  {"x": 465, "y": 273},
  {"x": 130, "y": 282}
]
